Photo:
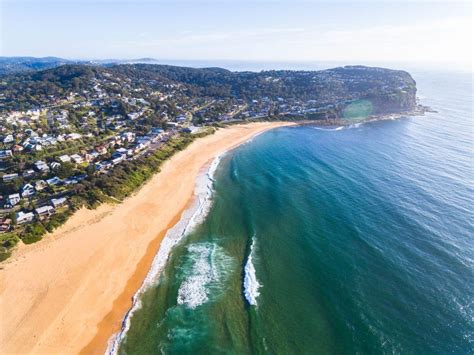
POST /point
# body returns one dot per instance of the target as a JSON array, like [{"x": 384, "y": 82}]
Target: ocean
[{"x": 328, "y": 240}]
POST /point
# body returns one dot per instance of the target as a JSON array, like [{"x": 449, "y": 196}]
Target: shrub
[
  {"x": 32, "y": 233},
  {"x": 57, "y": 220},
  {"x": 4, "y": 253},
  {"x": 8, "y": 240}
]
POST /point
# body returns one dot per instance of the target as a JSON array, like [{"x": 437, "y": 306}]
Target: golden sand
[{"x": 69, "y": 292}]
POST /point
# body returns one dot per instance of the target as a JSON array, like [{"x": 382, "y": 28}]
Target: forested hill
[{"x": 328, "y": 91}]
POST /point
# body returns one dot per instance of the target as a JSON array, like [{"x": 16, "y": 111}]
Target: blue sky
[{"x": 355, "y": 31}]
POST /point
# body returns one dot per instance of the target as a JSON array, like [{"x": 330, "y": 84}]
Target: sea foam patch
[{"x": 204, "y": 271}]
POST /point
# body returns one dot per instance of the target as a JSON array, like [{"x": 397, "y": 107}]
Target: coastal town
[{"x": 60, "y": 150}]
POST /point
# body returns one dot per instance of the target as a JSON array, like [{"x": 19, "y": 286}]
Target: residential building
[
  {"x": 5, "y": 224},
  {"x": 57, "y": 202},
  {"x": 40, "y": 185},
  {"x": 44, "y": 211},
  {"x": 76, "y": 158},
  {"x": 14, "y": 199},
  {"x": 64, "y": 158},
  {"x": 41, "y": 166},
  {"x": 5, "y": 154},
  {"x": 9, "y": 177},
  {"x": 22, "y": 217},
  {"x": 54, "y": 181}
]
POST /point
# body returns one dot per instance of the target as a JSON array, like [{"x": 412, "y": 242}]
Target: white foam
[
  {"x": 190, "y": 218},
  {"x": 251, "y": 284},
  {"x": 329, "y": 129},
  {"x": 194, "y": 291}
]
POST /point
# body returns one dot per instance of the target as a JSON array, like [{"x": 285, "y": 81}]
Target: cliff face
[{"x": 382, "y": 91}]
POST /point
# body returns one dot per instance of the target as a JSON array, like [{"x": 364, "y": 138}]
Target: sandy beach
[{"x": 69, "y": 292}]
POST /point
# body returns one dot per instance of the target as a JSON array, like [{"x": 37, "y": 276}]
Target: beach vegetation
[{"x": 33, "y": 232}]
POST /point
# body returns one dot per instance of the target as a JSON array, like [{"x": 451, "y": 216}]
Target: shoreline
[
  {"x": 69, "y": 293},
  {"x": 193, "y": 215}
]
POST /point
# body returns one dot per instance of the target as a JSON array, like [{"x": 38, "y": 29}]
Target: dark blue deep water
[{"x": 325, "y": 240}]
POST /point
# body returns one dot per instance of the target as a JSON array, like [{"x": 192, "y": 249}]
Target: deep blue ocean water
[{"x": 326, "y": 240}]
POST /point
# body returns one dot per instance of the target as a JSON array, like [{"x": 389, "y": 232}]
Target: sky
[{"x": 371, "y": 31}]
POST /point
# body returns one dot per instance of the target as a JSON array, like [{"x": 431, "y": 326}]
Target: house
[
  {"x": 54, "y": 165},
  {"x": 91, "y": 156},
  {"x": 22, "y": 217},
  {"x": 54, "y": 181},
  {"x": 27, "y": 190},
  {"x": 13, "y": 199},
  {"x": 41, "y": 166},
  {"x": 101, "y": 149},
  {"x": 17, "y": 148},
  {"x": 40, "y": 185},
  {"x": 103, "y": 166},
  {"x": 142, "y": 143},
  {"x": 117, "y": 160},
  {"x": 57, "y": 202},
  {"x": 8, "y": 139},
  {"x": 5, "y": 154},
  {"x": 28, "y": 173},
  {"x": 120, "y": 151},
  {"x": 9, "y": 177},
  {"x": 134, "y": 115},
  {"x": 64, "y": 158},
  {"x": 76, "y": 158},
  {"x": 156, "y": 131},
  {"x": 5, "y": 224},
  {"x": 128, "y": 136},
  {"x": 72, "y": 136},
  {"x": 70, "y": 181},
  {"x": 44, "y": 211}
]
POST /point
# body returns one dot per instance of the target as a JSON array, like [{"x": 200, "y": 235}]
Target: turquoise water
[{"x": 325, "y": 240}]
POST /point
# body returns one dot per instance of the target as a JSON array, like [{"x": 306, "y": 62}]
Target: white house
[
  {"x": 45, "y": 210},
  {"x": 41, "y": 166},
  {"x": 8, "y": 139},
  {"x": 56, "y": 202},
  {"x": 27, "y": 190},
  {"x": 54, "y": 181},
  {"x": 54, "y": 165},
  {"x": 22, "y": 217},
  {"x": 9, "y": 177},
  {"x": 28, "y": 173},
  {"x": 5, "y": 154},
  {"x": 40, "y": 185},
  {"x": 76, "y": 158},
  {"x": 13, "y": 199},
  {"x": 64, "y": 158}
]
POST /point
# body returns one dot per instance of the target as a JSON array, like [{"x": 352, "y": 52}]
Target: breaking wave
[
  {"x": 251, "y": 284},
  {"x": 205, "y": 274},
  {"x": 329, "y": 129}
]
